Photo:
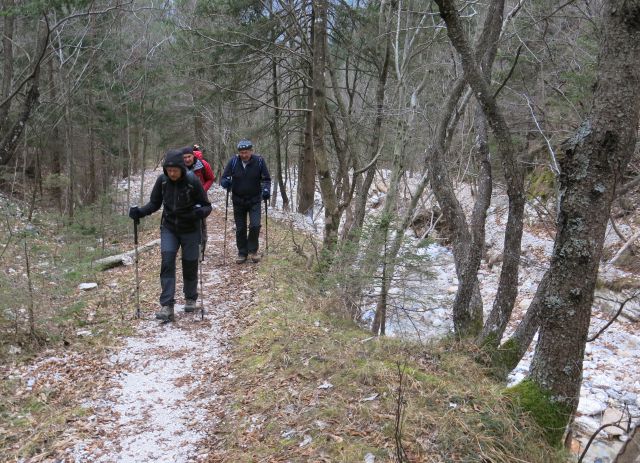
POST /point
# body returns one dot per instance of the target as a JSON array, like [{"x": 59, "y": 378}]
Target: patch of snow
[{"x": 153, "y": 416}]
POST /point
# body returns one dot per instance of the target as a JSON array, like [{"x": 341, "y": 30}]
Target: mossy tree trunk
[
  {"x": 331, "y": 209},
  {"x": 593, "y": 164}
]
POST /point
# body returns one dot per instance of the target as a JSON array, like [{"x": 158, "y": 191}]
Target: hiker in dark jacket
[
  {"x": 247, "y": 177},
  {"x": 185, "y": 205}
]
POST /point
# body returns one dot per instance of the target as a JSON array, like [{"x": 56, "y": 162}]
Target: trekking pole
[
  {"x": 266, "y": 227},
  {"x": 203, "y": 240},
  {"x": 201, "y": 286},
  {"x": 135, "y": 244},
  {"x": 226, "y": 209}
]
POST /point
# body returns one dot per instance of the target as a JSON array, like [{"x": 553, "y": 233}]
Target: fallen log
[{"x": 126, "y": 258}]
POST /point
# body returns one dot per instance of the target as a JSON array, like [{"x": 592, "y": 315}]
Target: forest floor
[
  {"x": 272, "y": 373},
  {"x": 138, "y": 390},
  {"x": 162, "y": 379}
]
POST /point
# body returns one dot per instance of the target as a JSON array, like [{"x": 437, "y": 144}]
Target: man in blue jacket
[
  {"x": 185, "y": 204},
  {"x": 247, "y": 177}
]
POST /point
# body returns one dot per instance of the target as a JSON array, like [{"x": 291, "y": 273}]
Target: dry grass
[
  {"x": 40, "y": 395},
  {"x": 280, "y": 407}
]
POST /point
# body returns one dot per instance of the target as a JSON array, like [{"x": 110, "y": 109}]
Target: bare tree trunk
[
  {"x": 331, "y": 209},
  {"x": 594, "y": 163},
  {"x": 384, "y": 53},
  {"x": 68, "y": 147},
  {"x": 55, "y": 146},
  {"x": 307, "y": 165},
  {"x": 31, "y": 310},
  {"x": 276, "y": 133},
  {"x": 7, "y": 65},
  {"x": 378, "y": 327},
  {"x": 92, "y": 190},
  {"x": 508, "y": 287},
  {"x": 129, "y": 164},
  {"x": 11, "y": 135}
]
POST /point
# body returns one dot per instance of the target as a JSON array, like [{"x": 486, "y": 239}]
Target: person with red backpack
[{"x": 195, "y": 163}]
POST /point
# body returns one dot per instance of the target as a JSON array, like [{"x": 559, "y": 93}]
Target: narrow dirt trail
[{"x": 162, "y": 379}]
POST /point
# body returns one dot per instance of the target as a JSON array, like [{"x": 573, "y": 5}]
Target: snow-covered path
[
  {"x": 162, "y": 380},
  {"x": 154, "y": 408}
]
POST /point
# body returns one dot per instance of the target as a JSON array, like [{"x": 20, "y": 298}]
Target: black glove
[
  {"x": 200, "y": 212},
  {"x": 226, "y": 183},
  {"x": 135, "y": 213},
  {"x": 266, "y": 193}
]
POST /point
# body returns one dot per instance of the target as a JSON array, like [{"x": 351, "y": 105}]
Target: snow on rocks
[{"x": 612, "y": 361}]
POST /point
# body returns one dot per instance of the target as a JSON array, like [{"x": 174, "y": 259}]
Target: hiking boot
[
  {"x": 255, "y": 258},
  {"x": 241, "y": 259},
  {"x": 165, "y": 314},
  {"x": 190, "y": 305}
]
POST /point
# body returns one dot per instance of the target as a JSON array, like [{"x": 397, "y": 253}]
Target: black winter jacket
[
  {"x": 179, "y": 199},
  {"x": 247, "y": 182}
]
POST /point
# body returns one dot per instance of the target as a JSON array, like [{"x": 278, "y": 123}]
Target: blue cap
[{"x": 244, "y": 144}]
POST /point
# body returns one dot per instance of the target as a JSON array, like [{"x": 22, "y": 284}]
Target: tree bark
[
  {"x": 7, "y": 64},
  {"x": 276, "y": 133},
  {"x": 331, "y": 210},
  {"x": 508, "y": 287},
  {"x": 594, "y": 163},
  {"x": 307, "y": 164}
]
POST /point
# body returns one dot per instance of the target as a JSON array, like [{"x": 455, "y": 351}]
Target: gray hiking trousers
[{"x": 170, "y": 242}]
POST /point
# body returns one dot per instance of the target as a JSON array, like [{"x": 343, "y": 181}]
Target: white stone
[
  {"x": 589, "y": 406},
  {"x": 587, "y": 424},
  {"x": 87, "y": 286},
  {"x": 601, "y": 381}
]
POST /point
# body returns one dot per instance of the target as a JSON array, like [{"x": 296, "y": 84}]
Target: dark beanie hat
[{"x": 174, "y": 158}]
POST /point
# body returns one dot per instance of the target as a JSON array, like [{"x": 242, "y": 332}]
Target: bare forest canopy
[{"x": 534, "y": 99}]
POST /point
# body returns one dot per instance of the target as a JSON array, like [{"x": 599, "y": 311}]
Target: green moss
[
  {"x": 502, "y": 359},
  {"x": 541, "y": 184},
  {"x": 552, "y": 416}
]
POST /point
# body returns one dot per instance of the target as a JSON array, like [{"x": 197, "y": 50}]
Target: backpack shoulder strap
[
  {"x": 234, "y": 162},
  {"x": 191, "y": 178},
  {"x": 165, "y": 179},
  {"x": 260, "y": 163}
]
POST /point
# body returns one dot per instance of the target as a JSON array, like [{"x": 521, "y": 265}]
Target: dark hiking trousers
[
  {"x": 169, "y": 243},
  {"x": 247, "y": 243}
]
